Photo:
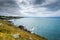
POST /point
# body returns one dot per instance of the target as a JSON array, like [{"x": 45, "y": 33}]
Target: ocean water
[{"x": 46, "y": 27}]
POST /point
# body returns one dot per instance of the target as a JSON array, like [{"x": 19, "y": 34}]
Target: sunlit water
[{"x": 46, "y": 27}]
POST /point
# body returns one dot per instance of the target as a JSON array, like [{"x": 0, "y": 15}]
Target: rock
[
  {"x": 25, "y": 29},
  {"x": 0, "y": 23},
  {"x": 21, "y": 27},
  {"x": 31, "y": 38},
  {"x": 32, "y": 32},
  {"x": 16, "y": 35}
]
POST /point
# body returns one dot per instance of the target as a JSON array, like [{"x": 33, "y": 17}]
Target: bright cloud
[
  {"x": 28, "y": 9},
  {"x": 47, "y": 2}
]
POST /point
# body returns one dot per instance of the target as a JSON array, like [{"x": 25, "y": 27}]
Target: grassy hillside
[{"x": 10, "y": 32}]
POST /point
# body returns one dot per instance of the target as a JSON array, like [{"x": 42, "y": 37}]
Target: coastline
[{"x": 13, "y": 30}]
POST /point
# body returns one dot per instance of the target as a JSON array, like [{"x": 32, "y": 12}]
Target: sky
[{"x": 30, "y": 8}]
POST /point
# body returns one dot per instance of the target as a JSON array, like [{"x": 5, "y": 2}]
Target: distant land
[{"x": 10, "y": 17}]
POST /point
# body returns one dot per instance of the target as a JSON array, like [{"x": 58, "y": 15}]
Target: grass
[{"x": 7, "y": 30}]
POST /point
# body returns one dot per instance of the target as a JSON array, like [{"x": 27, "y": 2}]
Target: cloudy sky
[{"x": 30, "y": 8}]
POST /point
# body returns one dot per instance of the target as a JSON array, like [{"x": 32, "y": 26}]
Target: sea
[{"x": 48, "y": 27}]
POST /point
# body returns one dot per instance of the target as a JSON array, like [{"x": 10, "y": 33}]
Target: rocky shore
[{"x": 9, "y": 31}]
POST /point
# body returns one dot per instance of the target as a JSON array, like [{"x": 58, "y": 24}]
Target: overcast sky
[{"x": 30, "y": 8}]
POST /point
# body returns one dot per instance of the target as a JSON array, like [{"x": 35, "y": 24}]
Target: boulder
[{"x": 21, "y": 27}]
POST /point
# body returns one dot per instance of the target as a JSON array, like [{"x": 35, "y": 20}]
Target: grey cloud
[
  {"x": 54, "y": 7},
  {"x": 38, "y": 2},
  {"x": 8, "y": 7},
  {"x": 5, "y": 2}
]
